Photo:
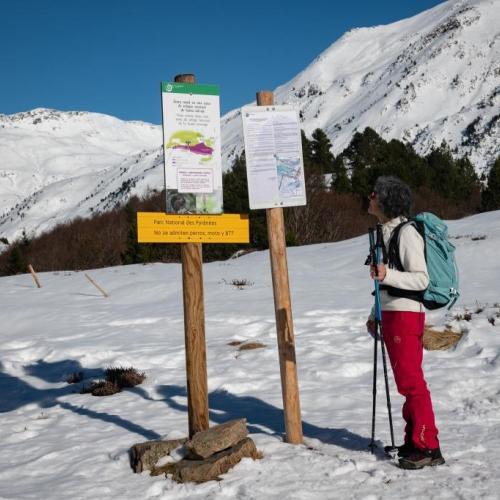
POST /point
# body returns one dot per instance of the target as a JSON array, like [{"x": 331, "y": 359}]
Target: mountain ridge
[
  {"x": 395, "y": 77},
  {"x": 425, "y": 79}
]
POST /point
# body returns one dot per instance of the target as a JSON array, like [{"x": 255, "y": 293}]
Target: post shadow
[
  {"x": 261, "y": 417},
  {"x": 16, "y": 393}
]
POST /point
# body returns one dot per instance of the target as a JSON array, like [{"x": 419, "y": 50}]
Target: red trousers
[{"x": 403, "y": 333}]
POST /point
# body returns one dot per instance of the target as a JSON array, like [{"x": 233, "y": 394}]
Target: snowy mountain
[
  {"x": 59, "y": 444},
  {"x": 59, "y": 165},
  {"x": 434, "y": 76}
]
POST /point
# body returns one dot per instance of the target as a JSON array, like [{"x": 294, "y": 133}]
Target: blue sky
[{"x": 109, "y": 56}]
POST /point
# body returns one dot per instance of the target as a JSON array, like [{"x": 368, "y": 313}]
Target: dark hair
[{"x": 394, "y": 196}]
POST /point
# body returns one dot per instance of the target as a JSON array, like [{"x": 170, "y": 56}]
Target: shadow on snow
[{"x": 261, "y": 417}]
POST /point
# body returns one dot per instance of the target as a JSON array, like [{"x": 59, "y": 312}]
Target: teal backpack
[{"x": 440, "y": 258}]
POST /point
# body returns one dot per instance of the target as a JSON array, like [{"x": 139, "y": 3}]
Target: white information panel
[
  {"x": 192, "y": 148},
  {"x": 273, "y": 151}
]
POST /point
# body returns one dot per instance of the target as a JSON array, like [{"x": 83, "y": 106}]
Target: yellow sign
[{"x": 158, "y": 227}]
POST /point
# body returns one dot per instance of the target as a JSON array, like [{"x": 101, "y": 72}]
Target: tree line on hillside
[{"x": 337, "y": 190}]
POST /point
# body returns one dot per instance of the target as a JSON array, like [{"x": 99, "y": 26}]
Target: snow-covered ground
[{"x": 59, "y": 444}]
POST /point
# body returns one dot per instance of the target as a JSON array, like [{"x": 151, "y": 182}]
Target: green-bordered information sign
[{"x": 192, "y": 148}]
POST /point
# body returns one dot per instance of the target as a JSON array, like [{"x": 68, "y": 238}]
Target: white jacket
[{"x": 414, "y": 276}]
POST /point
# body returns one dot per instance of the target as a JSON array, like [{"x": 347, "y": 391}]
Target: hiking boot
[
  {"x": 402, "y": 451},
  {"x": 419, "y": 458}
]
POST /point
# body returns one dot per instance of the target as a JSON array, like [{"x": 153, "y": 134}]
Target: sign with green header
[{"x": 192, "y": 148}]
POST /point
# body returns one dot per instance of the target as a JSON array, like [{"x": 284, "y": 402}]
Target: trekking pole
[
  {"x": 371, "y": 260},
  {"x": 379, "y": 329}
]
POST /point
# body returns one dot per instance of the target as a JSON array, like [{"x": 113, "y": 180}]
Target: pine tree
[
  {"x": 132, "y": 254},
  {"x": 321, "y": 156},
  {"x": 17, "y": 260},
  {"x": 307, "y": 153},
  {"x": 236, "y": 201},
  {"x": 490, "y": 199},
  {"x": 340, "y": 180}
]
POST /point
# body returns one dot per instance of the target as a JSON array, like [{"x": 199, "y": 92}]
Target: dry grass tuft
[
  {"x": 117, "y": 378},
  {"x": 251, "y": 345},
  {"x": 124, "y": 377},
  {"x": 435, "y": 340},
  {"x": 101, "y": 388},
  {"x": 235, "y": 343},
  {"x": 240, "y": 284}
]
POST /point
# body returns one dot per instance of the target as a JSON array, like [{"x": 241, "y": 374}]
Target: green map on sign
[{"x": 190, "y": 140}]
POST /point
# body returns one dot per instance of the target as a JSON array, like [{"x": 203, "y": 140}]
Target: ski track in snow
[{"x": 58, "y": 443}]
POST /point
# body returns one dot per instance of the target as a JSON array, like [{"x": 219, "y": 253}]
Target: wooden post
[
  {"x": 194, "y": 327},
  {"x": 283, "y": 309},
  {"x": 106, "y": 294},
  {"x": 34, "y": 276}
]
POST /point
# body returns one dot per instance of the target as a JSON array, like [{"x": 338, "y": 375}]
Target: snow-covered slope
[
  {"x": 434, "y": 76},
  {"x": 56, "y": 165},
  {"x": 59, "y": 444}
]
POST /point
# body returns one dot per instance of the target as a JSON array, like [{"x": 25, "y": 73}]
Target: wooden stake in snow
[
  {"x": 194, "y": 327},
  {"x": 34, "y": 276},
  {"x": 106, "y": 294},
  {"x": 283, "y": 310}
]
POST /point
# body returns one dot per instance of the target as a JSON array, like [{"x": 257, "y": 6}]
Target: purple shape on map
[{"x": 199, "y": 149}]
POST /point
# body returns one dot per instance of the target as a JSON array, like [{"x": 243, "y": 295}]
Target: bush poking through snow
[
  {"x": 101, "y": 388},
  {"x": 117, "y": 378},
  {"x": 240, "y": 284},
  {"x": 124, "y": 377},
  {"x": 467, "y": 316}
]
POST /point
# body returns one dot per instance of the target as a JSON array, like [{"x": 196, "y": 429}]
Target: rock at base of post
[
  {"x": 200, "y": 471},
  {"x": 220, "y": 437},
  {"x": 143, "y": 456}
]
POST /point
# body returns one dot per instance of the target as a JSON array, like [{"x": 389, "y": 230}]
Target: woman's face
[{"x": 374, "y": 208}]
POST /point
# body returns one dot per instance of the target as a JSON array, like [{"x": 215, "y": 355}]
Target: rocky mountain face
[{"x": 433, "y": 77}]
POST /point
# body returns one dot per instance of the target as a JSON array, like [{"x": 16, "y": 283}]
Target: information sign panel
[
  {"x": 273, "y": 151},
  {"x": 192, "y": 148},
  {"x": 157, "y": 227}
]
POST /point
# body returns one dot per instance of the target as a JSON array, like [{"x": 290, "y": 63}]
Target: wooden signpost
[
  {"x": 194, "y": 327},
  {"x": 283, "y": 310},
  {"x": 192, "y": 230}
]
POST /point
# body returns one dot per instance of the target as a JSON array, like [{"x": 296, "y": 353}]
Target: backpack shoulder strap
[{"x": 393, "y": 258}]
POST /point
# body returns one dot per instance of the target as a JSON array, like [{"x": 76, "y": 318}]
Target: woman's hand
[
  {"x": 378, "y": 272},
  {"x": 371, "y": 328}
]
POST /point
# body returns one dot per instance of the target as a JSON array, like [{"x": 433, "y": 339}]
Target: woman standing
[{"x": 403, "y": 318}]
